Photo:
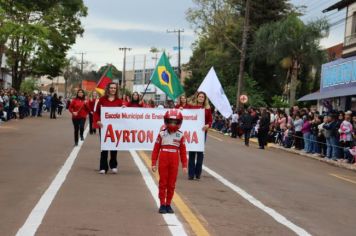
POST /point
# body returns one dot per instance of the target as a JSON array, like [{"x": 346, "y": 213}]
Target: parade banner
[{"x": 137, "y": 128}]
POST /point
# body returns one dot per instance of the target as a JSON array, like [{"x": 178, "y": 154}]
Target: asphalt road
[{"x": 302, "y": 194}]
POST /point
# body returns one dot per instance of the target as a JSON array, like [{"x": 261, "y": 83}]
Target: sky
[{"x": 142, "y": 24}]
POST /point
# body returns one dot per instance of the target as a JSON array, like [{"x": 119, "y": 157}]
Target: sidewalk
[{"x": 300, "y": 152}]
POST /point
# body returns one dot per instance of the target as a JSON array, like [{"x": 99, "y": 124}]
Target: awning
[{"x": 341, "y": 92}]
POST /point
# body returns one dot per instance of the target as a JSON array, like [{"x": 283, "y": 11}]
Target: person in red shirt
[
  {"x": 182, "y": 103},
  {"x": 93, "y": 102},
  {"x": 110, "y": 99},
  {"x": 168, "y": 149},
  {"x": 195, "y": 168},
  {"x": 135, "y": 100},
  {"x": 79, "y": 109}
]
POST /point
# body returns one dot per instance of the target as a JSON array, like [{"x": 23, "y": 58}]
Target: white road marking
[
  {"x": 37, "y": 214},
  {"x": 274, "y": 214},
  {"x": 174, "y": 225}
]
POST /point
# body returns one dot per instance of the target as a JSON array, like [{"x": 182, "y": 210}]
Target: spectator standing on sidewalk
[
  {"x": 246, "y": 125},
  {"x": 234, "y": 124},
  {"x": 330, "y": 135},
  {"x": 346, "y": 131},
  {"x": 54, "y": 106},
  {"x": 298, "y": 125},
  {"x": 321, "y": 136},
  {"x": 263, "y": 129},
  {"x": 306, "y": 133}
]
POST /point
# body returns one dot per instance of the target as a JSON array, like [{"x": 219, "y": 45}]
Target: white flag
[{"x": 213, "y": 89}]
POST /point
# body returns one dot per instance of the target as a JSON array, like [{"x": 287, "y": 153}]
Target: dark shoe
[
  {"x": 75, "y": 144},
  {"x": 81, "y": 138},
  {"x": 197, "y": 177},
  {"x": 162, "y": 209},
  {"x": 190, "y": 178},
  {"x": 169, "y": 209}
]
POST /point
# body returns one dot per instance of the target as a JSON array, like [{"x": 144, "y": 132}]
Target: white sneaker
[
  {"x": 102, "y": 172},
  {"x": 114, "y": 170}
]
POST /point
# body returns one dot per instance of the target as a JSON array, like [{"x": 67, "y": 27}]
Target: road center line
[
  {"x": 37, "y": 214},
  {"x": 219, "y": 139},
  {"x": 174, "y": 225},
  {"x": 343, "y": 178},
  {"x": 186, "y": 212},
  {"x": 274, "y": 214}
]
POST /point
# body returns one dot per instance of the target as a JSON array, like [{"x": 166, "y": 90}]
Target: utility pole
[
  {"x": 81, "y": 67},
  {"x": 179, "y": 31},
  {"x": 243, "y": 53},
  {"x": 124, "y": 67}
]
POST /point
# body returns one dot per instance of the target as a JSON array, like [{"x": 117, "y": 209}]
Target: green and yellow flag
[{"x": 166, "y": 79}]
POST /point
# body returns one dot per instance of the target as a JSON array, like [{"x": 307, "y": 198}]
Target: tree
[
  {"x": 219, "y": 24},
  {"x": 290, "y": 42},
  {"x": 39, "y": 35}
]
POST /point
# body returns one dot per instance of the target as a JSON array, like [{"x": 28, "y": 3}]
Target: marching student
[
  {"x": 79, "y": 109},
  {"x": 195, "y": 167},
  {"x": 168, "y": 149},
  {"x": 110, "y": 99}
]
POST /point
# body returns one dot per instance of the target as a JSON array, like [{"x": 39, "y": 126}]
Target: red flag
[{"x": 105, "y": 79}]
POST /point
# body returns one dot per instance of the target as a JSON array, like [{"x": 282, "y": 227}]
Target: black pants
[
  {"x": 53, "y": 113},
  {"x": 298, "y": 140},
  {"x": 78, "y": 127},
  {"x": 247, "y": 133},
  {"x": 195, "y": 168},
  {"x": 91, "y": 129},
  {"x": 262, "y": 138},
  {"x": 104, "y": 160},
  {"x": 233, "y": 130},
  {"x": 60, "y": 110}
]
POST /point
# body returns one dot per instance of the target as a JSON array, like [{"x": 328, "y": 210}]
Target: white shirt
[{"x": 234, "y": 118}]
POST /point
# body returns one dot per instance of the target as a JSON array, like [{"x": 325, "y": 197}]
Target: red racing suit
[{"x": 167, "y": 150}]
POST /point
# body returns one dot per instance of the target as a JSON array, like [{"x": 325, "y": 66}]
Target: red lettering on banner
[
  {"x": 141, "y": 136},
  {"x": 118, "y": 136},
  {"x": 133, "y": 132},
  {"x": 126, "y": 136},
  {"x": 109, "y": 134},
  {"x": 149, "y": 136},
  {"x": 194, "y": 137},
  {"x": 187, "y": 136}
]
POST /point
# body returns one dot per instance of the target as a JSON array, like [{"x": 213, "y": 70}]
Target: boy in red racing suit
[{"x": 169, "y": 146}]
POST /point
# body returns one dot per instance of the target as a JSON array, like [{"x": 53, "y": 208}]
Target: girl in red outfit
[
  {"x": 183, "y": 103},
  {"x": 110, "y": 99},
  {"x": 195, "y": 168},
  {"x": 169, "y": 148},
  {"x": 79, "y": 109},
  {"x": 135, "y": 100},
  {"x": 93, "y": 102}
]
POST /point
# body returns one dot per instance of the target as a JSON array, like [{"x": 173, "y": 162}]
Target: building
[
  {"x": 338, "y": 77},
  {"x": 5, "y": 76}
]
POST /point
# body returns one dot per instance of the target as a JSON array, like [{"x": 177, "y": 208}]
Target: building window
[
  {"x": 157, "y": 97},
  {"x": 138, "y": 77}
]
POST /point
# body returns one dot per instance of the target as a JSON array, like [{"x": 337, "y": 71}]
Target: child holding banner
[
  {"x": 169, "y": 147},
  {"x": 195, "y": 167},
  {"x": 110, "y": 99}
]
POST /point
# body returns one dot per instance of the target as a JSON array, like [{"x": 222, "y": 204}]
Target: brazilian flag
[{"x": 165, "y": 78}]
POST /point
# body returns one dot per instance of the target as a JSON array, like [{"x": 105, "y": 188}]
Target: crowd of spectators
[
  {"x": 16, "y": 105},
  {"x": 331, "y": 134}
]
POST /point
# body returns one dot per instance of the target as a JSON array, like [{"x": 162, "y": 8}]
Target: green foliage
[
  {"x": 279, "y": 102},
  {"x": 39, "y": 34},
  {"x": 28, "y": 86},
  {"x": 254, "y": 92}
]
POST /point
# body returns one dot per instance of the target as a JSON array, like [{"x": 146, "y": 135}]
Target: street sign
[
  {"x": 243, "y": 99},
  {"x": 175, "y": 48}
]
